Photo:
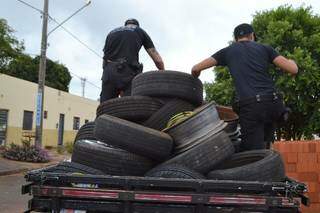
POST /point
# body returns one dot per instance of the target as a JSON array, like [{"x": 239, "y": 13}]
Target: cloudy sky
[{"x": 183, "y": 31}]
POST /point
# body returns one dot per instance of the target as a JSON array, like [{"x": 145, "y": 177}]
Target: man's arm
[
  {"x": 285, "y": 64},
  {"x": 153, "y": 53},
  {"x": 205, "y": 64}
]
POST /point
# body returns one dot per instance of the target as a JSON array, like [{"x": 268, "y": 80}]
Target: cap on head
[
  {"x": 242, "y": 30},
  {"x": 132, "y": 21}
]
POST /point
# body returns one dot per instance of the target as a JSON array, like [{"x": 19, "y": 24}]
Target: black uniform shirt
[
  {"x": 248, "y": 63},
  {"x": 125, "y": 42}
]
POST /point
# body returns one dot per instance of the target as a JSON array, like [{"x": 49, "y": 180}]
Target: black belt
[
  {"x": 118, "y": 61},
  {"x": 260, "y": 98}
]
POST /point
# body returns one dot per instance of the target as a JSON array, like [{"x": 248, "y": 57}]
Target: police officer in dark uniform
[
  {"x": 121, "y": 59},
  {"x": 260, "y": 106}
]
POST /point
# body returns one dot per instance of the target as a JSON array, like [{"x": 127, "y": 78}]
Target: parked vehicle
[
  {"x": 58, "y": 192},
  {"x": 145, "y": 154}
]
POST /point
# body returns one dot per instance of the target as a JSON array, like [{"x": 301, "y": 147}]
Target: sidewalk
[{"x": 8, "y": 167}]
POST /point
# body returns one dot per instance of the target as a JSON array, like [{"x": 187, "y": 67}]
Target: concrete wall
[
  {"x": 302, "y": 162},
  {"x": 17, "y": 95}
]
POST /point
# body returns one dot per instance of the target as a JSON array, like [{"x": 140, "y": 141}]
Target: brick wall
[{"x": 302, "y": 162}]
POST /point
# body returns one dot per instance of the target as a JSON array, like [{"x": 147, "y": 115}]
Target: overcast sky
[{"x": 183, "y": 31}]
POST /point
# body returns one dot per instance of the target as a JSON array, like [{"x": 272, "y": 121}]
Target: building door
[
  {"x": 3, "y": 125},
  {"x": 61, "y": 129}
]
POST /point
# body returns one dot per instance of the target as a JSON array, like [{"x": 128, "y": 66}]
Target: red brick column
[{"x": 302, "y": 162}]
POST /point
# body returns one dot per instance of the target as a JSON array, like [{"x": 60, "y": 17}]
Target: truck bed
[{"x": 53, "y": 192}]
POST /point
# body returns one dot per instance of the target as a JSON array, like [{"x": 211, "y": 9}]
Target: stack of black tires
[{"x": 130, "y": 136}]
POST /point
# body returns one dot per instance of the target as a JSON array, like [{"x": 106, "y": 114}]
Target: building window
[
  {"x": 76, "y": 123},
  {"x": 86, "y": 121},
  {"x": 27, "y": 120},
  {"x": 45, "y": 114}
]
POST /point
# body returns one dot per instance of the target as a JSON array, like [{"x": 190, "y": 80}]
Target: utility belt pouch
[
  {"x": 121, "y": 64},
  {"x": 137, "y": 67},
  {"x": 284, "y": 117}
]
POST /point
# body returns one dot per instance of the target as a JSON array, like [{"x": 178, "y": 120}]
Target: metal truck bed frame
[{"x": 115, "y": 194}]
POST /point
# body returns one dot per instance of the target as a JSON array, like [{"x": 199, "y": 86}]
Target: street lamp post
[
  {"x": 42, "y": 67},
  {"x": 42, "y": 75}
]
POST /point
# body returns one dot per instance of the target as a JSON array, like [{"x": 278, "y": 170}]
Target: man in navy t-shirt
[
  {"x": 248, "y": 63},
  {"x": 121, "y": 58}
]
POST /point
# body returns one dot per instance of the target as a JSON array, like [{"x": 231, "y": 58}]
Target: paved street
[
  {"x": 12, "y": 178},
  {"x": 11, "y": 200}
]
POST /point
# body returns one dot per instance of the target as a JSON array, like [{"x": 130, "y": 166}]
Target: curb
[
  {"x": 11, "y": 172},
  {"x": 25, "y": 169}
]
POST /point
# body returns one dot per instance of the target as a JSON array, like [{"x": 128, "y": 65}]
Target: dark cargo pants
[
  {"x": 257, "y": 121},
  {"x": 110, "y": 90},
  {"x": 116, "y": 80}
]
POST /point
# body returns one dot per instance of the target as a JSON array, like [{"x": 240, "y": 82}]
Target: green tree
[
  {"x": 22, "y": 66},
  {"x": 222, "y": 90},
  {"x": 295, "y": 33},
  {"x": 10, "y": 47},
  {"x": 57, "y": 75},
  {"x": 26, "y": 67},
  {"x": 15, "y": 63}
]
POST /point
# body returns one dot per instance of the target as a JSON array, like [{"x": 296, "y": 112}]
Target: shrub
[
  {"x": 26, "y": 152},
  {"x": 69, "y": 147},
  {"x": 60, "y": 149}
]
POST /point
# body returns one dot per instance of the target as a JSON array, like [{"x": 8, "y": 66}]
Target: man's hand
[
  {"x": 195, "y": 72},
  {"x": 206, "y": 63}
]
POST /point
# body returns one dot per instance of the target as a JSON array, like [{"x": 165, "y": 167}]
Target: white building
[{"x": 64, "y": 113}]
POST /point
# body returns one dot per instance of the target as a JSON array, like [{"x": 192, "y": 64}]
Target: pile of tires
[
  {"x": 131, "y": 136},
  {"x": 232, "y": 128}
]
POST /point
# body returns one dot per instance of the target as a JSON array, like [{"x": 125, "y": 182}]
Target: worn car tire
[
  {"x": 229, "y": 116},
  {"x": 169, "y": 84},
  {"x": 133, "y": 137},
  {"x": 208, "y": 153},
  {"x": 237, "y": 145},
  {"x": 255, "y": 165},
  {"x": 160, "y": 119},
  {"x": 72, "y": 167},
  {"x": 109, "y": 160},
  {"x": 203, "y": 122},
  {"x": 174, "y": 171},
  {"x": 131, "y": 108},
  {"x": 85, "y": 132}
]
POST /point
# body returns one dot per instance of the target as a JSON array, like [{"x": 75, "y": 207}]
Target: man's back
[
  {"x": 125, "y": 42},
  {"x": 248, "y": 63},
  {"x": 121, "y": 59},
  {"x": 259, "y": 104}
]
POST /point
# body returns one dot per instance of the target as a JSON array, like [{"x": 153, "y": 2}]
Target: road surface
[{"x": 11, "y": 200}]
